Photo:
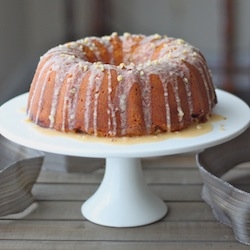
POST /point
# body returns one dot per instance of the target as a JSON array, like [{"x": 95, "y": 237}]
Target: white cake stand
[{"x": 123, "y": 198}]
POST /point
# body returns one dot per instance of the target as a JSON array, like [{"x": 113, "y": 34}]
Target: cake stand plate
[{"x": 123, "y": 198}]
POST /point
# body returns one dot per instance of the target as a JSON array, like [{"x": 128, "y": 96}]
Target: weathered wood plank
[
  {"x": 81, "y": 192},
  {"x": 151, "y": 175},
  {"x": 84, "y": 230},
  {"x": 171, "y": 161},
  {"x": 55, "y": 161},
  {"x": 65, "y": 210},
  {"x": 104, "y": 245}
]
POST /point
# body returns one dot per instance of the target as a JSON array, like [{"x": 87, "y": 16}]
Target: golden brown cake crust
[{"x": 128, "y": 85}]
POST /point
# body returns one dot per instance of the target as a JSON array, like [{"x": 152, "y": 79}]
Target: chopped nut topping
[
  {"x": 170, "y": 55},
  {"x": 126, "y": 35},
  {"x": 122, "y": 66},
  {"x": 86, "y": 40},
  {"x": 99, "y": 65},
  {"x": 180, "y": 41},
  {"x": 106, "y": 38},
  {"x": 102, "y": 67},
  {"x": 152, "y": 45},
  {"x": 85, "y": 68},
  {"x": 160, "y": 60},
  {"x": 155, "y": 62},
  {"x": 157, "y": 36},
  {"x": 148, "y": 63},
  {"x": 119, "y": 78},
  {"x": 114, "y": 34},
  {"x": 73, "y": 90}
]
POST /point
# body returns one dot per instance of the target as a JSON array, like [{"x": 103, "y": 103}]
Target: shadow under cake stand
[{"x": 123, "y": 199}]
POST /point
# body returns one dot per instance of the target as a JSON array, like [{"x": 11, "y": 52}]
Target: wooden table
[{"x": 54, "y": 221}]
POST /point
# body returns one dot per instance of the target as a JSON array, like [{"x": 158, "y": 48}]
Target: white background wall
[{"x": 28, "y": 28}]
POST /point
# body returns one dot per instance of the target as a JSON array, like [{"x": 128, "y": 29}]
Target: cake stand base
[{"x": 123, "y": 198}]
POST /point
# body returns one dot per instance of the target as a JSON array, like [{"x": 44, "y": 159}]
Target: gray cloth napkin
[
  {"x": 19, "y": 169},
  {"x": 230, "y": 205}
]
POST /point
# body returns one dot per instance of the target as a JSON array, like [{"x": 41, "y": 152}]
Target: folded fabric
[
  {"x": 230, "y": 204},
  {"x": 19, "y": 169}
]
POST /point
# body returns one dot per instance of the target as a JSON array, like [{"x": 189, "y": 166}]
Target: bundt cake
[{"x": 130, "y": 85}]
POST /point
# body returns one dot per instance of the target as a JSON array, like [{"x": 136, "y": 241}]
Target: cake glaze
[{"x": 130, "y": 85}]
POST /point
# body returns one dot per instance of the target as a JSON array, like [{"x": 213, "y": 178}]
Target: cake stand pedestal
[{"x": 123, "y": 198}]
